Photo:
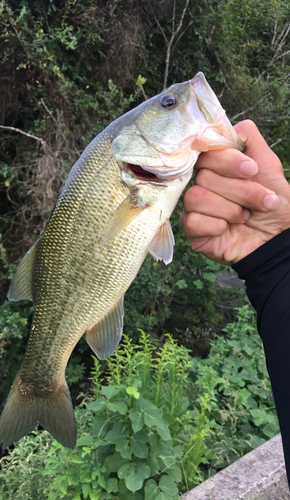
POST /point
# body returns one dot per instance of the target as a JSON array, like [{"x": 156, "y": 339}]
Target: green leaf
[
  {"x": 101, "y": 481},
  {"x": 256, "y": 441},
  {"x": 153, "y": 464},
  {"x": 271, "y": 430},
  {"x": 85, "y": 440},
  {"x": 152, "y": 414},
  {"x": 137, "y": 418},
  {"x": 110, "y": 390},
  {"x": 99, "y": 422},
  {"x": 168, "y": 460},
  {"x": 176, "y": 474},
  {"x": 163, "y": 431},
  {"x": 139, "y": 449},
  {"x": 259, "y": 416},
  {"x": 134, "y": 475},
  {"x": 118, "y": 432},
  {"x": 151, "y": 490},
  {"x": 97, "y": 405},
  {"x": 125, "y": 494},
  {"x": 167, "y": 485},
  {"x": 209, "y": 276},
  {"x": 123, "y": 447},
  {"x": 181, "y": 284},
  {"x": 132, "y": 391},
  {"x": 76, "y": 460},
  {"x": 112, "y": 484},
  {"x": 164, "y": 496},
  {"x": 114, "y": 462},
  {"x": 118, "y": 406},
  {"x": 86, "y": 489}
]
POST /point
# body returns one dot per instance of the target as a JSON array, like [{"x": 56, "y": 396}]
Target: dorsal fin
[
  {"x": 21, "y": 285},
  {"x": 104, "y": 337},
  {"x": 161, "y": 247}
]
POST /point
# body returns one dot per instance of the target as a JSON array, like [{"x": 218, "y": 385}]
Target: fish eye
[{"x": 168, "y": 101}]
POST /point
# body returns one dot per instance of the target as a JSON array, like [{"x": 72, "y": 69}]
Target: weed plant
[{"x": 162, "y": 423}]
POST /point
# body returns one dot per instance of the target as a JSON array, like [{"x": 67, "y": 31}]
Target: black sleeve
[{"x": 266, "y": 272}]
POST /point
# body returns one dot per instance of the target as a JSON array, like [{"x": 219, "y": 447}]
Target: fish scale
[{"x": 107, "y": 217}]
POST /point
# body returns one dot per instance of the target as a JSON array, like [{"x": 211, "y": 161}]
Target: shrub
[
  {"x": 160, "y": 423},
  {"x": 141, "y": 427}
]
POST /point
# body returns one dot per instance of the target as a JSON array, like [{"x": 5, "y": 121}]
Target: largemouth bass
[{"x": 112, "y": 209}]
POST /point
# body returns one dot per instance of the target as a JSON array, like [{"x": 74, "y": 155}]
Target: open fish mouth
[{"x": 143, "y": 175}]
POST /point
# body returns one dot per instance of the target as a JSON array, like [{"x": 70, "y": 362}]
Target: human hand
[{"x": 238, "y": 201}]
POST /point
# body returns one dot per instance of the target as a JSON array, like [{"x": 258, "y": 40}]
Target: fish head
[{"x": 165, "y": 135}]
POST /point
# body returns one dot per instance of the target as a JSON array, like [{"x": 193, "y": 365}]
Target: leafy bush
[
  {"x": 163, "y": 423},
  {"x": 21, "y": 475},
  {"x": 141, "y": 427},
  {"x": 13, "y": 337},
  {"x": 241, "y": 412}
]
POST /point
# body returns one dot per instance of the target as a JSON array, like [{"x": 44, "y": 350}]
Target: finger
[
  {"x": 199, "y": 199},
  {"x": 244, "y": 192},
  {"x": 256, "y": 146},
  {"x": 228, "y": 162},
  {"x": 201, "y": 227}
]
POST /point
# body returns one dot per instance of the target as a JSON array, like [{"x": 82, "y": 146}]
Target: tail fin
[{"x": 23, "y": 412}]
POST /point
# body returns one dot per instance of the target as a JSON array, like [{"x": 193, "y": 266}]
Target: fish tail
[{"x": 25, "y": 409}]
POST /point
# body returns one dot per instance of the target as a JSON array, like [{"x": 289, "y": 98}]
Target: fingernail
[
  {"x": 246, "y": 214},
  {"x": 271, "y": 201},
  {"x": 249, "y": 168}
]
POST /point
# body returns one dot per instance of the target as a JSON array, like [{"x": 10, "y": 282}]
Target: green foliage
[
  {"x": 21, "y": 475},
  {"x": 75, "y": 370},
  {"x": 241, "y": 412},
  {"x": 140, "y": 427},
  {"x": 164, "y": 422},
  {"x": 13, "y": 338},
  {"x": 21, "y": 472}
]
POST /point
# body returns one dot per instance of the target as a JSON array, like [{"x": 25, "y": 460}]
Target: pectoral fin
[
  {"x": 161, "y": 247},
  {"x": 125, "y": 213},
  {"x": 104, "y": 337},
  {"x": 21, "y": 286}
]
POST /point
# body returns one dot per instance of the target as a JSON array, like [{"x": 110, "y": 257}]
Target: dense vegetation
[
  {"x": 68, "y": 69},
  {"x": 162, "y": 422}
]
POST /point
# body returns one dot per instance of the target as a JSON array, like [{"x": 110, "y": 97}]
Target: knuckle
[
  {"x": 221, "y": 227},
  {"x": 198, "y": 193},
  {"x": 202, "y": 177},
  {"x": 237, "y": 212},
  {"x": 187, "y": 199}
]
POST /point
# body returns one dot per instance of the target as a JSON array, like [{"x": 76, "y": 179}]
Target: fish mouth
[{"x": 143, "y": 175}]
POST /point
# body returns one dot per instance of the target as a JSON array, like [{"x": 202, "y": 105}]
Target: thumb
[{"x": 257, "y": 149}]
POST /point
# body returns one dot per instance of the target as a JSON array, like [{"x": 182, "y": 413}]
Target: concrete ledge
[{"x": 259, "y": 475}]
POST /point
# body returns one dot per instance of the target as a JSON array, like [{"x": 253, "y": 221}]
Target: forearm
[{"x": 267, "y": 277}]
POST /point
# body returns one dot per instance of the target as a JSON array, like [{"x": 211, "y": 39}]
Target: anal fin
[
  {"x": 21, "y": 285},
  {"x": 126, "y": 212},
  {"x": 161, "y": 247},
  {"x": 104, "y": 337}
]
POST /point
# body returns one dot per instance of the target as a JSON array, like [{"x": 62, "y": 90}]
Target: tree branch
[
  {"x": 24, "y": 133},
  {"x": 260, "y": 101},
  {"x": 278, "y": 141},
  {"x": 173, "y": 35},
  {"x": 14, "y": 29},
  {"x": 279, "y": 45}
]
